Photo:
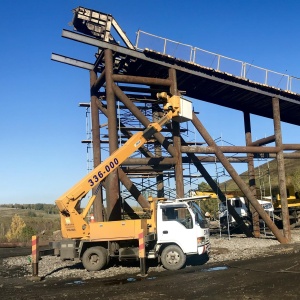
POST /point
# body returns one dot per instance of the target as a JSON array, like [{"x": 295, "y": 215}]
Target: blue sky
[{"x": 41, "y": 123}]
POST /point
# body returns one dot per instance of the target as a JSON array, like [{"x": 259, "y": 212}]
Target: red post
[
  {"x": 35, "y": 255},
  {"x": 142, "y": 253}
]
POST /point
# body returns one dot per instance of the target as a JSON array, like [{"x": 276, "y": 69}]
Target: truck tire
[
  {"x": 173, "y": 258},
  {"x": 94, "y": 258}
]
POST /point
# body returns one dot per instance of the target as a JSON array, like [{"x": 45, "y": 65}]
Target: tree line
[{"x": 47, "y": 208}]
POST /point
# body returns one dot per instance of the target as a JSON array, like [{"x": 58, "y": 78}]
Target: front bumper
[{"x": 204, "y": 249}]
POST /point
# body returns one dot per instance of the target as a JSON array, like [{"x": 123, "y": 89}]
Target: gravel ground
[{"x": 223, "y": 249}]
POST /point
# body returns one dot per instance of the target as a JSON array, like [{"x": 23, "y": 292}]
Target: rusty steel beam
[
  {"x": 185, "y": 160},
  {"x": 240, "y": 183},
  {"x": 98, "y": 208},
  {"x": 72, "y": 62},
  {"x": 240, "y": 149},
  {"x": 143, "y": 90},
  {"x": 138, "y": 169},
  {"x": 281, "y": 170},
  {"x": 143, "y": 119},
  {"x": 290, "y": 146},
  {"x": 158, "y": 153},
  {"x": 229, "y": 149},
  {"x": 100, "y": 81},
  {"x": 131, "y": 213},
  {"x": 113, "y": 201},
  {"x": 213, "y": 159},
  {"x": 125, "y": 131},
  {"x": 251, "y": 173},
  {"x": 171, "y": 160},
  {"x": 263, "y": 141},
  {"x": 141, "y": 80},
  {"x": 177, "y": 140},
  {"x": 131, "y": 187},
  {"x": 289, "y": 155},
  {"x": 153, "y": 161}
]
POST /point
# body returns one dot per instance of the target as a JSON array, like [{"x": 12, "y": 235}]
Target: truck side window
[
  {"x": 169, "y": 214},
  {"x": 238, "y": 203},
  {"x": 172, "y": 214}
]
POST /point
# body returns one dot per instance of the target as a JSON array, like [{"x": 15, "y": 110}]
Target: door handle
[{"x": 165, "y": 231}]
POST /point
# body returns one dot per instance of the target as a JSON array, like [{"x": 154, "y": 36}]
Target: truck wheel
[
  {"x": 94, "y": 258},
  {"x": 173, "y": 258}
]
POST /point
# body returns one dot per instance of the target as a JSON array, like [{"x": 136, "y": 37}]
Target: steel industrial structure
[{"x": 123, "y": 74}]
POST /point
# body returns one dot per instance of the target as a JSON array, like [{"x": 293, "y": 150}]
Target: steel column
[
  {"x": 158, "y": 153},
  {"x": 177, "y": 140},
  {"x": 251, "y": 174},
  {"x": 113, "y": 186},
  {"x": 281, "y": 170},
  {"x": 241, "y": 184},
  {"x": 98, "y": 208}
]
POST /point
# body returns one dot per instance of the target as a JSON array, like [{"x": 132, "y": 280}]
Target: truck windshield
[{"x": 199, "y": 215}]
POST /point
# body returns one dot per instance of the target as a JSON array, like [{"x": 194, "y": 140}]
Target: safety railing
[{"x": 217, "y": 62}]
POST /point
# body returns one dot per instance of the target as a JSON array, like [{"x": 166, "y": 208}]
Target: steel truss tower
[{"x": 123, "y": 87}]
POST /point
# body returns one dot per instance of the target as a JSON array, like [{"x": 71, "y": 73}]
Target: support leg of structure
[
  {"x": 281, "y": 170},
  {"x": 98, "y": 209},
  {"x": 113, "y": 186},
  {"x": 251, "y": 174},
  {"x": 158, "y": 153},
  {"x": 177, "y": 141},
  {"x": 240, "y": 183}
]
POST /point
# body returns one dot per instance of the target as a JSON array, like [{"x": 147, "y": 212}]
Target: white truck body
[{"x": 241, "y": 208}]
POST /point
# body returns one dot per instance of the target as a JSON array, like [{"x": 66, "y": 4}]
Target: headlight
[{"x": 200, "y": 240}]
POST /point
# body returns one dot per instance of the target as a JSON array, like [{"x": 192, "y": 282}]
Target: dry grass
[{"x": 263, "y": 178}]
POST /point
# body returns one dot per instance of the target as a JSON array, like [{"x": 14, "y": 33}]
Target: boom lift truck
[{"x": 176, "y": 229}]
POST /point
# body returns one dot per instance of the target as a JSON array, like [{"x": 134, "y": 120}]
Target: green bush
[{"x": 27, "y": 233}]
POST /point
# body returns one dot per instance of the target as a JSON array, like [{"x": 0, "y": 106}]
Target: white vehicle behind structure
[{"x": 239, "y": 204}]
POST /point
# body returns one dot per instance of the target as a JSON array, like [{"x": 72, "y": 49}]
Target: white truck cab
[{"x": 182, "y": 230}]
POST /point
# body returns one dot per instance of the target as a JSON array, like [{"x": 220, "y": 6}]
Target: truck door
[{"x": 176, "y": 225}]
